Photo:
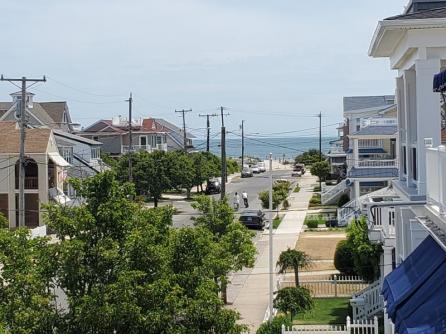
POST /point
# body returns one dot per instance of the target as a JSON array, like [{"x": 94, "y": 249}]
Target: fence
[
  {"x": 352, "y": 327},
  {"x": 338, "y": 286}
]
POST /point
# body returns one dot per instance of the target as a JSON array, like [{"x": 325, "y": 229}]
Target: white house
[{"x": 410, "y": 220}]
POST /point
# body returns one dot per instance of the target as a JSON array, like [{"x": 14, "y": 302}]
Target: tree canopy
[
  {"x": 118, "y": 267},
  {"x": 309, "y": 157}
]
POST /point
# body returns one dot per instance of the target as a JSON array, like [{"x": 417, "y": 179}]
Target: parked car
[
  {"x": 262, "y": 167},
  {"x": 299, "y": 167},
  {"x": 296, "y": 173},
  {"x": 246, "y": 172},
  {"x": 255, "y": 169},
  {"x": 213, "y": 187},
  {"x": 252, "y": 219}
]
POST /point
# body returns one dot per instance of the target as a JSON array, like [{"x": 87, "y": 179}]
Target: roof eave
[{"x": 386, "y": 26}]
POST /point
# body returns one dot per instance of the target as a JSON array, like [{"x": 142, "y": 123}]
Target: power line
[{"x": 183, "y": 112}]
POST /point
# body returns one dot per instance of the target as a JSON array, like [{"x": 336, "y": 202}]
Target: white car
[
  {"x": 262, "y": 167},
  {"x": 255, "y": 169}
]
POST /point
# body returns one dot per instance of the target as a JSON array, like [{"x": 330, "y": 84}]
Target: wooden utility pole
[
  {"x": 208, "y": 128},
  {"x": 223, "y": 154},
  {"x": 320, "y": 136},
  {"x": 130, "y": 101},
  {"x": 22, "y": 123},
  {"x": 184, "y": 127},
  {"x": 243, "y": 145}
]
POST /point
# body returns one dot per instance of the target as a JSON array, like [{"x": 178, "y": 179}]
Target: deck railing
[
  {"x": 370, "y": 163},
  {"x": 368, "y": 302},
  {"x": 355, "y": 326}
]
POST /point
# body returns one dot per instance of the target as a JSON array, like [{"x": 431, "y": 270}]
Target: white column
[
  {"x": 409, "y": 112},
  {"x": 357, "y": 190},
  {"x": 355, "y": 152},
  {"x": 428, "y": 114},
  {"x": 400, "y": 99},
  {"x": 387, "y": 268}
]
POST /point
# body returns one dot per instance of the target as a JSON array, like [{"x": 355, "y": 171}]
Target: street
[{"x": 252, "y": 185}]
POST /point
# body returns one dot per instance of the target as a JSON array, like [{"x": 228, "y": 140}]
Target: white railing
[
  {"x": 338, "y": 286},
  {"x": 161, "y": 147},
  {"x": 379, "y": 122},
  {"x": 136, "y": 148},
  {"x": 333, "y": 191},
  {"x": 348, "y": 210},
  {"x": 436, "y": 177},
  {"x": 377, "y": 163},
  {"x": 368, "y": 302},
  {"x": 355, "y": 326},
  {"x": 382, "y": 219},
  {"x": 370, "y": 143}
]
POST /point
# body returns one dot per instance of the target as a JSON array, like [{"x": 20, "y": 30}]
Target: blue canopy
[
  {"x": 425, "y": 310},
  {"x": 440, "y": 82},
  {"x": 408, "y": 277}
]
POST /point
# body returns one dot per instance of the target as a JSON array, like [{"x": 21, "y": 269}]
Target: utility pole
[
  {"x": 243, "y": 145},
  {"x": 271, "y": 267},
  {"x": 184, "y": 127},
  {"x": 22, "y": 123},
  {"x": 320, "y": 136},
  {"x": 208, "y": 128},
  {"x": 223, "y": 154},
  {"x": 130, "y": 101}
]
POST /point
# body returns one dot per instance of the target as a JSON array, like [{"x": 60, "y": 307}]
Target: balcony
[
  {"x": 379, "y": 122},
  {"x": 436, "y": 178},
  {"x": 142, "y": 148},
  {"x": 372, "y": 163},
  {"x": 381, "y": 222}
]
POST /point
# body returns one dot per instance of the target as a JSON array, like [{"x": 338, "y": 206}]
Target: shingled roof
[
  {"x": 36, "y": 139},
  {"x": 55, "y": 110},
  {"x": 436, "y": 13}
]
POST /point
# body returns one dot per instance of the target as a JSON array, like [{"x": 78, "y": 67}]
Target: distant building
[
  {"x": 45, "y": 172},
  {"x": 148, "y": 134}
]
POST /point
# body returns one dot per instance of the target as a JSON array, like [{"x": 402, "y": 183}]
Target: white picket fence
[
  {"x": 338, "y": 286},
  {"x": 351, "y": 327}
]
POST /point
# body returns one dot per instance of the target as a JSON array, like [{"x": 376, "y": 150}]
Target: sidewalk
[{"x": 253, "y": 297}]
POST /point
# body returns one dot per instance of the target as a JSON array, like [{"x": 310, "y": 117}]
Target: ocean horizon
[{"x": 260, "y": 147}]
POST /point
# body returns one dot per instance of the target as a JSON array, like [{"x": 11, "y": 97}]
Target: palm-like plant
[{"x": 292, "y": 258}]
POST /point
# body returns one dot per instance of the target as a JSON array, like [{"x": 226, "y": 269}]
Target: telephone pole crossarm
[
  {"x": 208, "y": 128},
  {"x": 183, "y": 111}
]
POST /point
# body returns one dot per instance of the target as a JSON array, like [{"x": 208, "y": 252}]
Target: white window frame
[
  {"x": 147, "y": 140},
  {"x": 67, "y": 153},
  {"x": 95, "y": 153}
]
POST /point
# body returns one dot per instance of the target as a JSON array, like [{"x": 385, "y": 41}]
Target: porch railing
[
  {"x": 136, "y": 148},
  {"x": 351, "y": 326},
  {"x": 383, "y": 219},
  {"x": 333, "y": 192},
  {"x": 377, "y": 163},
  {"x": 368, "y": 302}
]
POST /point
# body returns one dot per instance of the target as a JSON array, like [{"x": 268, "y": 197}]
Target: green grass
[
  {"x": 315, "y": 200},
  {"x": 297, "y": 189},
  {"x": 326, "y": 311},
  {"x": 276, "y": 222}
]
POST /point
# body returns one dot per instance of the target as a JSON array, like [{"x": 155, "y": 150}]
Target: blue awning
[
  {"x": 402, "y": 282},
  {"x": 440, "y": 82},
  {"x": 425, "y": 310}
]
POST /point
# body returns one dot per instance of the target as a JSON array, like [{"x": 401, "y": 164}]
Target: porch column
[
  {"x": 387, "y": 268},
  {"x": 428, "y": 109},
  {"x": 357, "y": 190},
  {"x": 411, "y": 120},
  {"x": 355, "y": 152}
]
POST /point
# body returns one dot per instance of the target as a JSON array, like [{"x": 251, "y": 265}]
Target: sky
[{"x": 273, "y": 64}]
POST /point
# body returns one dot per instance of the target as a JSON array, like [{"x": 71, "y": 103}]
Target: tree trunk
[
  {"x": 155, "y": 201},
  {"x": 188, "y": 190},
  {"x": 224, "y": 292},
  {"x": 296, "y": 275},
  {"x": 201, "y": 186}
]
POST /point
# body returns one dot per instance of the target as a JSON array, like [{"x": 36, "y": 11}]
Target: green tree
[
  {"x": 26, "y": 283},
  {"x": 181, "y": 171},
  {"x": 275, "y": 326},
  {"x": 295, "y": 260},
  {"x": 321, "y": 169},
  {"x": 309, "y": 157},
  {"x": 293, "y": 301},
  {"x": 344, "y": 258}
]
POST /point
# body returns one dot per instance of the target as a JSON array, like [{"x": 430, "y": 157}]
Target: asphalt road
[{"x": 252, "y": 185}]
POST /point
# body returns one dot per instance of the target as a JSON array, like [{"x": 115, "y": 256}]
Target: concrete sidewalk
[{"x": 252, "y": 299}]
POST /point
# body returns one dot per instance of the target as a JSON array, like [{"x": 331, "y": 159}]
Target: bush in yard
[
  {"x": 344, "y": 199},
  {"x": 343, "y": 258},
  {"x": 313, "y": 222},
  {"x": 275, "y": 326},
  {"x": 320, "y": 169},
  {"x": 286, "y": 204},
  {"x": 293, "y": 300}
]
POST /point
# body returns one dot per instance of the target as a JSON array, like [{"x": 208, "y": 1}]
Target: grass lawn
[
  {"x": 277, "y": 221},
  {"x": 326, "y": 311}
]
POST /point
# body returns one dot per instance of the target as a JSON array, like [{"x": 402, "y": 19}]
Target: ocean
[{"x": 260, "y": 147}]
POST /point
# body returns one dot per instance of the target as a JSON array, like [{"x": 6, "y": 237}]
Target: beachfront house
[{"x": 410, "y": 222}]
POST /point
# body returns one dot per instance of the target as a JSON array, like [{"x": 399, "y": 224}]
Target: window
[
  {"x": 414, "y": 163},
  {"x": 358, "y": 124},
  {"x": 95, "y": 153},
  {"x": 159, "y": 140},
  {"x": 143, "y": 140},
  {"x": 67, "y": 153},
  {"x": 96, "y": 138}
]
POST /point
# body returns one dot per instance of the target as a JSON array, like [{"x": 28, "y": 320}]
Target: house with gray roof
[{"x": 82, "y": 154}]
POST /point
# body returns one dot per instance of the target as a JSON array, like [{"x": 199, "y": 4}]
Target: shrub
[
  {"x": 286, "y": 204},
  {"x": 344, "y": 199},
  {"x": 343, "y": 258},
  {"x": 315, "y": 200},
  {"x": 316, "y": 189},
  {"x": 297, "y": 189},
  {"x": 314, "y": 221},
  {"x": 275, "y": 326}
]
